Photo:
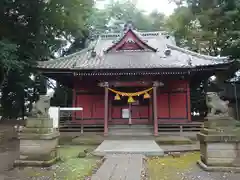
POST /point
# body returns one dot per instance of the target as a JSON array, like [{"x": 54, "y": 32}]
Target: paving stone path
[{"x": 120, "y": 167}]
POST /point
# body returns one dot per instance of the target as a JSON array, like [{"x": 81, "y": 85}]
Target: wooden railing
[{"x": 180, "y": 127}]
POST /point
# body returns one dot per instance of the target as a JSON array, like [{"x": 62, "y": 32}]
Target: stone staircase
[{"x": 131, "y": 130}]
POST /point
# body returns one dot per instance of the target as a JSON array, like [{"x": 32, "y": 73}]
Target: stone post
[{"x": 38, "y": 140}]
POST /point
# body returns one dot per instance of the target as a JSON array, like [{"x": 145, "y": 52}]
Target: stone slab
[
  {"x": 19, "y": 163},
  {"x": 145, "y": 147},
  {"x": 135, "y": 168},
  {"x": 120, "y": 167},
  {"x": 221, "y": 137}
]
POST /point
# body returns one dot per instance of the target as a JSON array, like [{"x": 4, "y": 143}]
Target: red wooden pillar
[
  {"x": 150, "y": 111},
  {"x": 74, "y": 104},
  {"x": 155, "y": 113},
  {"x": 106, "y": 109},
  {"x": 188, "y": 102},
  {"x": 109, "y": 109}
]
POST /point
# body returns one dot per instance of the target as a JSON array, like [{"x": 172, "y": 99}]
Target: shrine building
[{"x": 132, "y": 78}]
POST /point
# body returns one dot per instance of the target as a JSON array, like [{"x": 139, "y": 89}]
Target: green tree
[
  {"x": 113, "y": 17},
  {"x": 216, "y": 33},
  {"x": 219, "y": 22},
  {"x": 32, "y": 31},
  {"x": 8, "y": 59}
]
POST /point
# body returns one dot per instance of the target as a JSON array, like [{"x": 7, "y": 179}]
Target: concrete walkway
[
  {"x": 120, "y": 167},
  {"x": 145, "y": 147}
]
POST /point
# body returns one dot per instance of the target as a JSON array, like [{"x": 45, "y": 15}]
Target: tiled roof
[{"x": 179, "y": 57}]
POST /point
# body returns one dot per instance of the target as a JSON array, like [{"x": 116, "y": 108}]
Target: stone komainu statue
[
  {"x": 216, "y": 105},
  {"x": 40, "y": 108}
]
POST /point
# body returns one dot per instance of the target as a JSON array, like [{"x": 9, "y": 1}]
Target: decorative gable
[
  {"x": 130, "y": 41},
  {"x": 129, "y": 44}
]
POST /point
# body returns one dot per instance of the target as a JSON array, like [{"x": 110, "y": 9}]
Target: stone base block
[
  {"x": 218, "y": 168},
  {"x": 220, "y": 150},
  {"x": 40, "y": 122},
  {"x": 38, "y": 150},
  {"x": 212, "y": 122},
  {"x": 220, "y": 144},
  {"x": 221, "y": 125}
]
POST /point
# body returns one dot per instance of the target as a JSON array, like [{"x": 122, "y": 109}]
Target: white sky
[{"x": 162, "y": 6}]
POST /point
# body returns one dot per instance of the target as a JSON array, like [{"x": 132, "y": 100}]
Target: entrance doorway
[{"x": 125, "y": 113}]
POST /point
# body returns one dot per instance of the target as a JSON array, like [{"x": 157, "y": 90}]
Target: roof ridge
[
  {"x": 151, "y": 33},
  {"x": 206, "y": 57},
  {"x": 118, "y": 34}
]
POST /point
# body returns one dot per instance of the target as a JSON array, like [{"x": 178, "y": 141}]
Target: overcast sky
[{"x": 162, "y": 6}]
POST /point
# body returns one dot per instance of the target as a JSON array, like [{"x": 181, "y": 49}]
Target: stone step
[
  {"x": 129, "y": 137},
  {"x": 130, "y": 134},
  {"x": 131, "y": 130},
  {"x": 131, "y": 127},
  {"x": 145, "y": 147}
]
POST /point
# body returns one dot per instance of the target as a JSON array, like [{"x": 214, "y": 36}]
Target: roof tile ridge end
[
  {"x": 197, "y": 54},
  {"x": 96, "y": 43},
  {"x": 110, "y": 33}
]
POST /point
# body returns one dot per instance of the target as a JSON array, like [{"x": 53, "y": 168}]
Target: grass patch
[
  {"x": 69, "y": 167},
  {"x": 170, "y": 168},
  {"x": 173, "y": 142},
  {"x": 81, "y": 140},
  {"x": 65, "y": 140},
  {"x": 73, "y": 167}
]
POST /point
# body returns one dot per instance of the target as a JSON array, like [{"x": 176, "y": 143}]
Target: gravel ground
[
  {"x": 196, "y": 173},
  {"x": 9, "y": 151}
]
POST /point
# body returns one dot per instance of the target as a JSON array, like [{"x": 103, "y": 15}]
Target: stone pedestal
[
  {"x": 220, "y": 144},
  {"x": 38, "y": 143}
]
